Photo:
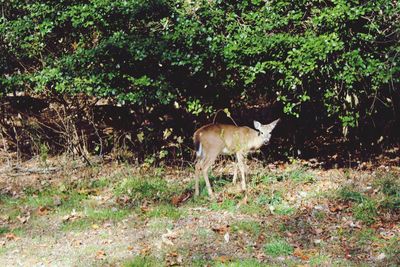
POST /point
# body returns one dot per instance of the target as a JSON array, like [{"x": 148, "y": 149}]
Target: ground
[{"x": 57, "y": 212}]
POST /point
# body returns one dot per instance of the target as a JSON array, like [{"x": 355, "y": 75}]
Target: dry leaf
[
  {"x": 178, "y": 200},
  {"x": 130, "y": 248},
  {"x": 101, "y": 254},
  {"x": 42, "y": 211},
  {"x": 300, "y": 254},
  {"x": 11, "y": 236},
  {"x": 223, "y": 259},
  {"x": 221, "y": 230},
  {"x": 145, "y": 251},
  {"x": 23, "y": 219}
]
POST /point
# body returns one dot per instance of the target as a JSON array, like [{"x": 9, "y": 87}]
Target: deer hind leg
[
  {"x": 208, "y": 162},
  {"x": 235, "y": 172},
  {"x": 241, "y": 164},
  {"x": 198, "y": 169}
]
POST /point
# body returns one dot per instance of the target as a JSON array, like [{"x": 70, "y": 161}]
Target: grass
[
  {"x": 320, "y": 260},
  {"x": 226, "y": 204},
  {"x": 278, "y": 247},
  {"x": 366, "y": 211},
  {"x": 143, "y": 261},
  {"x": 348, "y": 193},
  {"x": 251, "y": 227},
  {"x": 164, "y": 211},
  {"x": 146, "y": 189},
  {"x": 95, "y": 216},
  {"x": 240, "y": 263},
  {"x": 149, "y": 195}
]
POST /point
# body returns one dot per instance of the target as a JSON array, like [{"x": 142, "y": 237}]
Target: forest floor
[{"x": 59, "y": 213}]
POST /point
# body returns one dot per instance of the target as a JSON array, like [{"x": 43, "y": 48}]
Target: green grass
[
  {"x": 164, "y": 211},
  {"x": 300, "y": 175},
  {"x": 251, "y": 227},
  {"x": 143, "y": 261},
  {"x": 227, "y": 204},
  {"x": 278, "y": 247},
  {"x": 240, "y": 263},
  {"x": 366, "y": 211},
  {"x": 147, "y": 189},
  {"x": 95, "y": 216},
  {"x": 320, "y": 260},
  {"x": 347, "y": 193},
  {"x": 276, "y": 203}
]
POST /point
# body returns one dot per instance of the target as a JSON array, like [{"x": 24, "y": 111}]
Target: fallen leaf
[
  {"x": 178, "y": 200},
  {"x": 300, "y": 254},
  {"x": 100, "y": 254},
  {"x": 11, "y": 236},
  {"x": 221, "y": 230},
  {"x": 23, "y": 219},
  {"x": 95, "y": 226},
  {"x": 145, "y": 208},
  {"x": 130, "y": 248},
  {"x": 223, "y": 259},
  {"x": 42, "y": 211},
  {"x": 145, "y": 251}
]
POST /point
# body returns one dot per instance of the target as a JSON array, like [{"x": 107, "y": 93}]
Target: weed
[
  {"x": 392, "y": 250},
  {"x": 349, "y": 194},
  {"x": 389, "y": 185},
  {"x": 300, "y": 175},
  {"x": 278, "y": 247},
  {"x": 366, "y": 211},
  {"x": 366, "y": 236}
]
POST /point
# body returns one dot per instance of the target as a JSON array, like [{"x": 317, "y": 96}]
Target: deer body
[{"x": 214, "y": 139}]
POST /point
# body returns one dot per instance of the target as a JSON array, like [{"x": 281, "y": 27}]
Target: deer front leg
[
  {"x": 210, "y": 192},
  {"x": 240, "y": 159}
]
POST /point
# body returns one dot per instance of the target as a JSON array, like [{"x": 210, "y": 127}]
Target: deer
[{"x": 214, "y": 139}]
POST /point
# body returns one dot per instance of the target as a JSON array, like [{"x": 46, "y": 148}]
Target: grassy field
[{"x": 118, "y": 214}]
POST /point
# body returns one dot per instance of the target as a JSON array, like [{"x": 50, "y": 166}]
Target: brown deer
[{"x": 214, "y": 139}]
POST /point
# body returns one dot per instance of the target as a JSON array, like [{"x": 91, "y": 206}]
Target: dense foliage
[{"x": 339, "y": 57}]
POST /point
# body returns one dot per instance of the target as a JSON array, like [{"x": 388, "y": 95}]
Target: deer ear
[
  {"x": 257, "y": 125},
  {"x": 272, "y": 125}
]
